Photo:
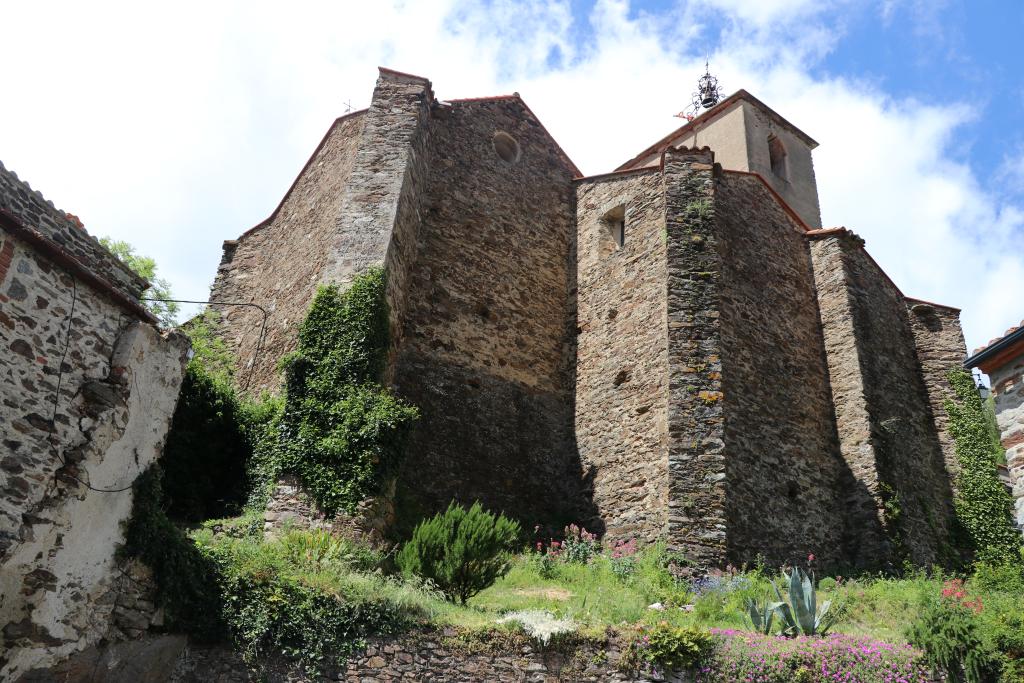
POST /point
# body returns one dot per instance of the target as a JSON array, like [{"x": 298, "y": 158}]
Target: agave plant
[
  {"x": 800, "y": 614},
  {"x": 762, "y": 617}
]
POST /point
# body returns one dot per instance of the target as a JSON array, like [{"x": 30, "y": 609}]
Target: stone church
[{"x": 673, "y": 350}]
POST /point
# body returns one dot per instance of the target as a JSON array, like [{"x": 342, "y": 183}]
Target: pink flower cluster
[
  {"x": 955, "y": 592},
  {"x": 745, "y": 657},
  {"x": 621, "y": 549}
]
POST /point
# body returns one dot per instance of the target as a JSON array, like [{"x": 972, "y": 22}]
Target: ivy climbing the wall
[
  {"x": 341, "y": 431},
  {"x": 983, "y": 505}
]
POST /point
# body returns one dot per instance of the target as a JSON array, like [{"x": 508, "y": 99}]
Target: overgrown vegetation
[
  {"x": 145, "y": 267},
  {"x": 664, "y": 647},
  {"x": 307, "y": 595},
  {"x": 460, "y": 551},
  {"x": 314, "y": 597},
  {"x": 341, "y": 431},
  {"x": 209, "y": 441},
  {"x": 948, "y": 632},
  {"x": 983, "y": 506}
]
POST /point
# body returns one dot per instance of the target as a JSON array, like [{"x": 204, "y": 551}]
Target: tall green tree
[{"x": 144, "y": 266}]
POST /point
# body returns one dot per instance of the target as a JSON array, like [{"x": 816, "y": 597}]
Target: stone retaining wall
[{"x": 426, "y": 657}]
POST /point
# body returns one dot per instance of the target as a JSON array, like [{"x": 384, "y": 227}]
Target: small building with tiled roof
[
  {"x": 1002, "y": 359},
  {"x": 675, "y": 349}
]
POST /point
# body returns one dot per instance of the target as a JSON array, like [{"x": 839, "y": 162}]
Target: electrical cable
[
  {"x": 56, "y": 399},
  {"x": 60, "y": 375},
  {"x": 259, "y": 340}
]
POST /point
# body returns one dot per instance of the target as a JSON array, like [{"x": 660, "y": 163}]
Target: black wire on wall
[{"x": 54, "y": 446}]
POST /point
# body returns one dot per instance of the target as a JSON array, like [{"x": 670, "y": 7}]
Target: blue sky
[{"x": 177, "y": 127}]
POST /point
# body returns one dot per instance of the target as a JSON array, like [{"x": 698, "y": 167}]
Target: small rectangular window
[{"x": 614, "y": 222}]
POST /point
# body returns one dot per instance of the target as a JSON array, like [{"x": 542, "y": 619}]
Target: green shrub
[
  {"x": 186, "y": 579},
  {"x": 204, "y": 459},
  {"x": 461, "y": 551},
  {"x": 664, "y": 647},
  {"x": 279, "y": 598},
  {"x": 947, "y": 630},
  {"x": 341, "y": 432},
  {"x": 983, "y": 506}
]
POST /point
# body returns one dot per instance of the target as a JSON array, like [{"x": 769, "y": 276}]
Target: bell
[{"x": 708, "y": 100}]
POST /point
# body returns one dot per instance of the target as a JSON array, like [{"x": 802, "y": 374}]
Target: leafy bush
[
  {"x": 145, "y": 267},
  {"x": 983, "y": 506},
  {"x": 341, "y": 431},
  {"x": 298, "y": 596},
  {"x": 664, "y": 647},
  {"x": 947, "y": 630},
  {"x": 186, "y": 580},
  {"x": 205, "y": 456},
  {"x": 461, "y": 551},
  {"x": 579, "y": 545}
]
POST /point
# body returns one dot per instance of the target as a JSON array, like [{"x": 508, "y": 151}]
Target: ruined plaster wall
[
  {"x": 1008, "y": 388},
  {"x": 940, "y": 345},
  {"x": 783, "y": 463},
  {"x": 487, "y": 326},
  {"x": 696, "y": 420},
  {"x": 902, "y": 504},
  {"x": 278, "y": 264},
  {"x": 622, "y": 353},
  {"x": 118, "y": 387}
]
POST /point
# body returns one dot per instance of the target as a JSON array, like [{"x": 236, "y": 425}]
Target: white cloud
[{"x": 177, "y": 129}]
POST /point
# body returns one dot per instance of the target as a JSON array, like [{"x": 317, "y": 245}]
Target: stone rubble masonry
[
  {"x": 278, "y": 263},
  {"x": 783, "y": 470},
  {"x": 428, "y": 656},
  {"x": 1008, "y": 389},
  {"x": 940, "y": 345},
  {"x": 887, "y": 429},
  {"x": 105, "y": 423},
  {"x": 696, "y": 413},
  {"x": 486, "y": 329},
  {"x": 35, "y": 213},
  {"x": 622, "y": 354},
  {"x": 728, "y": 378}
]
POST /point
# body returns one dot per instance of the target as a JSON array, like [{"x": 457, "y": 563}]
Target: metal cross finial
[
  {"x": 708, "y": 94},
  {"x": 348, "y": 106}
]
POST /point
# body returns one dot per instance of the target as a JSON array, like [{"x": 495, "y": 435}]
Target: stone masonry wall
[
  {"x": 430, "y": 656},
  {"x": 1008, "y": 388},
  {"x": 484, "y": 345},
  {"x": 622, "y": 354},
  {"x": 87, "y": 399},
  {"x": 865, "y": 538},
  {"x": 19, "y": 200},
  {"x": 278, "y": 263},
  {"x": 902, "y": 505},
  {"x": 940, "y": 345},
  {"x": 696, "y": 421},
  {"x": 783, "y": 465}
]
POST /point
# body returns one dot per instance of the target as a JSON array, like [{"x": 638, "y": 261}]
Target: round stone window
[{"x": 506, "y": 147}]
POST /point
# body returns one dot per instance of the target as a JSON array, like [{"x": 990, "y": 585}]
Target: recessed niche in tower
[
  {"x": 506, "y": 147},
  {"x": 614, "y": 222},
  {"x": 777, "y": 156}
]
